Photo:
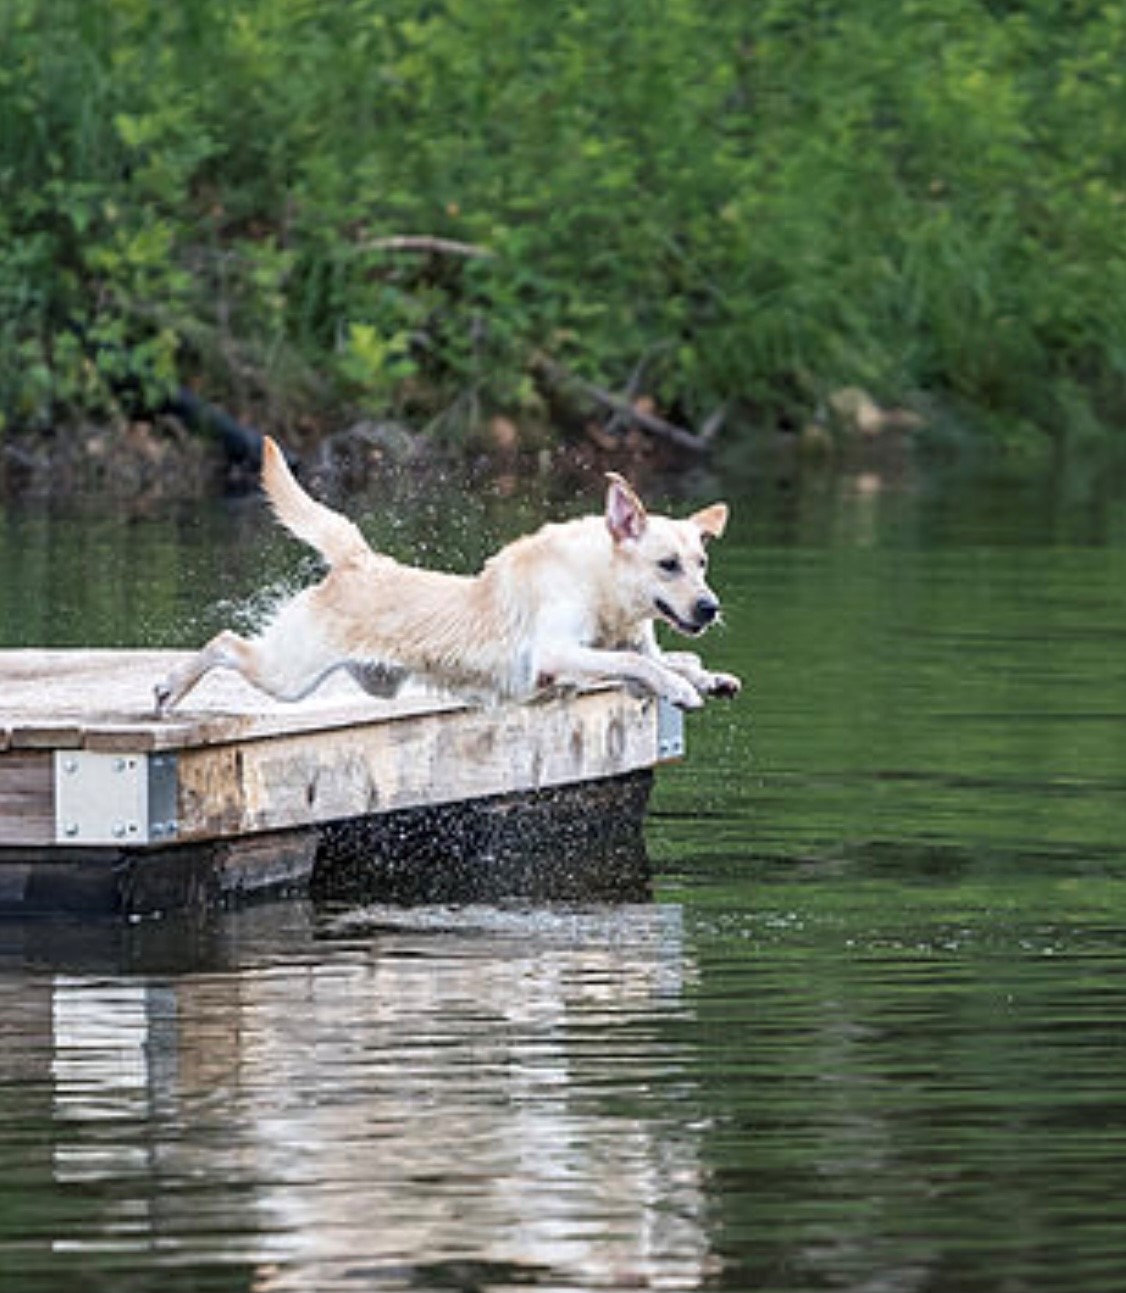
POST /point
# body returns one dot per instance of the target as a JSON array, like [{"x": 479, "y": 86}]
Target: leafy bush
[{"x": 762, "y": 203}]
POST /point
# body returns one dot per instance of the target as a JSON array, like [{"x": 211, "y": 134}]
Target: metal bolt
[
  {"x": 71, "y": 829},
  {"x": 70, "y": 765}
]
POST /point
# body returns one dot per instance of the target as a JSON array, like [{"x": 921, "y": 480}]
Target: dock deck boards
[
  {"x": 85, "y": 766},
  {"x": 103, "y": 700}
]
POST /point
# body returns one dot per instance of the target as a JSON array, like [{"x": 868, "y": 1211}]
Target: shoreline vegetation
[{"x": 669, "y": 229}]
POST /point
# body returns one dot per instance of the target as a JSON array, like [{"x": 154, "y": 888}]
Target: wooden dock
[{"x": 104, "y": 808}]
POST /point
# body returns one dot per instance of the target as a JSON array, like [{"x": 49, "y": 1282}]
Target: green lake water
[{"x": 870, "y": 1034}]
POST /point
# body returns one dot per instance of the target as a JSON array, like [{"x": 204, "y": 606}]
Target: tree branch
[
  {"x": 650, "y": 423},
  {"x": 427, "y": 243}
]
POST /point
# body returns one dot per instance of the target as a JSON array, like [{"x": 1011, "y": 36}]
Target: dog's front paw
[
  {"x": 683, "y": 695},
  {"x": 724, "y": 685}
]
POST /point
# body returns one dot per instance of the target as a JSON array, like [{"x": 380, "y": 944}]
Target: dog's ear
[
  {"x": 625, "y": 513},
  {"x": 711, "y": 521}
]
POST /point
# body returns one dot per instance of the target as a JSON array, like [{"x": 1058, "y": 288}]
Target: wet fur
[{"x": 570, "y": 604}]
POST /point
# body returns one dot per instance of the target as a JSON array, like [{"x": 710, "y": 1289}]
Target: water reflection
[{"x": 413, "y": 1097}]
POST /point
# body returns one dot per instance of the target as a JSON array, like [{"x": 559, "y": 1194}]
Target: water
[{"x": 869, "y": 1035}]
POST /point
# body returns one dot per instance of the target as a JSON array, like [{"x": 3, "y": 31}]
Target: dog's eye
[{"x": 670, "y": 565}]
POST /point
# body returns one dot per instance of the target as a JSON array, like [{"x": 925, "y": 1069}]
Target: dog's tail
[{"x": 332, "y": 535}]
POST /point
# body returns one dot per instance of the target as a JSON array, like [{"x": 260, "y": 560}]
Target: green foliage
[{"x": 765, "y": 202}]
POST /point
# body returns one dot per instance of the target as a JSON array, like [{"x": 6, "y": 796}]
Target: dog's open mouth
[{"x": 666, "y": 612}]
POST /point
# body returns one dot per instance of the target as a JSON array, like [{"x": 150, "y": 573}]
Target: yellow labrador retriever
[{"x": 570, "y": 604}]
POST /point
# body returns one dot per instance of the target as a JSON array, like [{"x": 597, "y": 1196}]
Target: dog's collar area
[{"x": 671, "y": 617}]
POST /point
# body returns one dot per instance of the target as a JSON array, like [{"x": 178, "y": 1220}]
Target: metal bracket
[
  {"x": 125, "y": 799},
  {"x": 670, "y": 732}
]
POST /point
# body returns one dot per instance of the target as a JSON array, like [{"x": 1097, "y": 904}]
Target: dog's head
[{"x": 667, "y": 559}]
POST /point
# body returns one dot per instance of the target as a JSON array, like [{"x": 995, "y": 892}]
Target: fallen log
[
  {"x": 556, "y": 375},
  {"x": 427, "y": 243}
]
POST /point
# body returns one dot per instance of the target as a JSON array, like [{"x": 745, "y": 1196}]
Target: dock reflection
[{"x": 394, "y": 1098}]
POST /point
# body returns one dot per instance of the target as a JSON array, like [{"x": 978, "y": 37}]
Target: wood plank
[
  {"x": 47, "y": 735},
  {"x": 50, "y": 698},
  {"x": 102, "y": 700},
  {"x": 574, "y": 843},
  {"x": 217, "y": 873},
  {"x": 414, "y": 761},
  {"x": 27, "y": 804}
]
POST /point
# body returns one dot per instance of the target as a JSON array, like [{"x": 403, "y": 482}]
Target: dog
[{"x": 573, "y": 603}]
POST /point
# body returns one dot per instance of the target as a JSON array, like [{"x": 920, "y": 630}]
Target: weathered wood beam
[{"x": 624, "y": 410}]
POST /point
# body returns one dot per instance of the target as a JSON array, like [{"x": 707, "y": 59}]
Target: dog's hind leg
[
  {"x": 225, "y": 651},
  {"x": 269, "y": 663}
]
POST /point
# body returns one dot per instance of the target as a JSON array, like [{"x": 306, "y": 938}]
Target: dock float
[{"x": 105, "y": 808}]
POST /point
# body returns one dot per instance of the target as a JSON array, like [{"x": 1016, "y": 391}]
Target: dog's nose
[{"x": 707, "y": 608}]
